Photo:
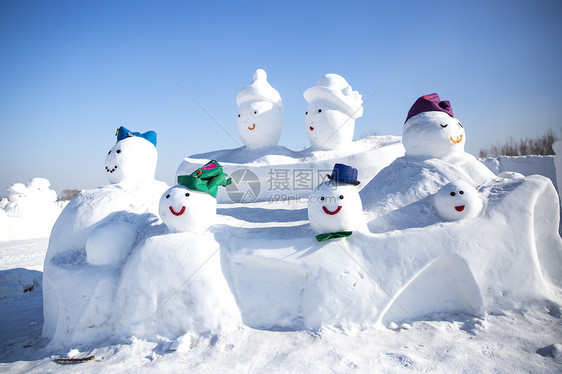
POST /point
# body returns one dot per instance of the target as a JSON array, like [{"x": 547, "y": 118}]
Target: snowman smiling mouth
[
  {"x": 459, "y": 139},
  {"x": 331, "y": 212},
  {"x": 311, "y": 128},
  {"x": 459, "y": 208},
  {"x": 253, "y": 126},
  {"x": 182, "y": 211}
]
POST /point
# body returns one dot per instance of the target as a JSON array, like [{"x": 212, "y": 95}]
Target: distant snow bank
[{"x": 526, "y": 165}]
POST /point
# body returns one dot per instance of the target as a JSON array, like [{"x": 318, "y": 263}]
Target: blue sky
[{"x": 71, "y": 72}]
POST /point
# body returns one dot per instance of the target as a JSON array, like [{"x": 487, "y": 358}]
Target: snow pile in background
[
  {"x": 15, "y": 282},
  {"x": 29, "y": 210},
  {"x": 526, "y": 165}
]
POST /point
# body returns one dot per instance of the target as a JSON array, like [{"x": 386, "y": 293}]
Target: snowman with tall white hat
[
  {"x": 260, "y": 113},
  {"x": 333, "y": 107}
]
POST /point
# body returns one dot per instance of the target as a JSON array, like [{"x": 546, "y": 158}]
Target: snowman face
[
  {"x": 17, "y": 192},
  {"x": 457, "y": 200},
  {"x": 259, "y": 124},
  {"x": 433, "y": 134},
  {"x": 132, "y": 159},
  {"x": 183, "y": 210},
  {"x": 326, "y": 126},
  {"x": 335, "y": 207}
]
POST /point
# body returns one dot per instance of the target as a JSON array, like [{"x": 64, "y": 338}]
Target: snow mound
[
  {"x": 15, "y": 282},
  {"x": 29, "y": 211},
  {"x": 261, "y": 265},
  {"x": 88, "y": 245}
]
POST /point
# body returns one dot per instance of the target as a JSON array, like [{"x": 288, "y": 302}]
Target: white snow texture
[{"x": 419, "y": 246}]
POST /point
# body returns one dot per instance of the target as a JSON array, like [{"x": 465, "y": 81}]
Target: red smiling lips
[
  {"x": 311, "y": 128},
  {"x": 330, "y": 212},
  {"x": 459, "y": 208},
  {"x": 182, "y": 211}
]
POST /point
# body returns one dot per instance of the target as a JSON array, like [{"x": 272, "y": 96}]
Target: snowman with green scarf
[
  {"x": 334, "y": 207},
  {"x": 191, "y": 205}
]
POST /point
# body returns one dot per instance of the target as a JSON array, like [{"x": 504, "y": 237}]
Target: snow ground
[{"x": 504, "y": 343}]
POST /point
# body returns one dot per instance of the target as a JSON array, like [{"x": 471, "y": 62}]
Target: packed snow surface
[{"x": 412, "y": 289}]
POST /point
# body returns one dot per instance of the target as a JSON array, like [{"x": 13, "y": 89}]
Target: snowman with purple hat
[
  {"x": 432, "y": 132},
  {"x": 334, "y": 207},
  {"x": 434, "y": 141},
  {"x": 332, "y": 109}
]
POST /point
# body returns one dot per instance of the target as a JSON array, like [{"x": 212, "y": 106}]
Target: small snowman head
[
  {"x": 431, "y": 130},
  {"x": 332, "y": 109},
  {"x": 457, "y": 200},
  {"x": 133, "y": 159},
  {"x": 260, "y": 113},
  {"x": 17, "y": 192},
  {"x": 335, "y": 205},
  {"x": 191, "y": 206},
  {"x": 41, "y": 191},
  {"x": 184, "y": 210}
]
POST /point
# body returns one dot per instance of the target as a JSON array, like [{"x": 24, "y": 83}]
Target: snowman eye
[
  {"x": 322, "y": 198},
  {"x": 444, "y": 126},
  {"x": 453, "y": 194},
  {"x": 460, "y": 125},
  {"x": 167, "y": 196},
  {"x": 306, "y": 113},
  {"x": 239, "y": 116},
  {"x": 461, "y": 192},
  {"x": 255, "y": 112},
  {"x": 109, "y": 152},
  {"x": 186, "y": 194},
  {"x": 118, "y": 151},
  {"x": 319, "y": 110},
  {"x": 341, "y": 197}
]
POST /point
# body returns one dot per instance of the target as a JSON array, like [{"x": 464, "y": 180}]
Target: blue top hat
[
  {"x": 344, "y": 174},
  {"x": 123, "y": 133}
]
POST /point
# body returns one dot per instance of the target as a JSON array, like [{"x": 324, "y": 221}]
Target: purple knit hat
[{"x": 428, "y": 103}]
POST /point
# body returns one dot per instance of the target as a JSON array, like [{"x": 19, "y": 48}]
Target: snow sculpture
[
  {"x": 334, "y": 207},
  {"x": 133, "y": 159},
  {"x": 155, "y": 299},
  {"x": 431, "y": 130},
  {"x": 260, "y": 113},
  {"x": 457, "y": 200},
  {"x": 92, "y": 238},
  {"x": 40, "y": 189},
  {"x": 333, "y": 107},
  {"x": 434, "y": 142},
  {"x": 34, "y": 200},
  {"x": 191, "y": 205},
  {"x": 16, "y": 192}
]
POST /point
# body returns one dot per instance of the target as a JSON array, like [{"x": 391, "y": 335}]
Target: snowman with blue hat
[
  {"x": 133, "y": 159},
  {"x": 334, "y": 207}
]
